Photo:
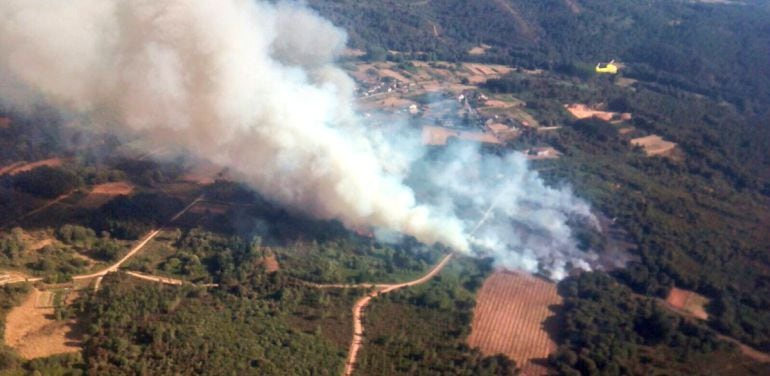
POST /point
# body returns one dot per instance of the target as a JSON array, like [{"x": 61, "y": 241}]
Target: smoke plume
[{"x": 253, "y": 86}]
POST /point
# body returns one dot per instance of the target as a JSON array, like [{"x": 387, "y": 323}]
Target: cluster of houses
[{"x": 385, "y": 86}]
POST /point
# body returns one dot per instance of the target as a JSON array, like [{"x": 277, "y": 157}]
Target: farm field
[{"x": 509, "y": 318}]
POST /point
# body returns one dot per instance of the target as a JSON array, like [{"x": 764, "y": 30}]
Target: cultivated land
[{"x": 511, "y": 316}]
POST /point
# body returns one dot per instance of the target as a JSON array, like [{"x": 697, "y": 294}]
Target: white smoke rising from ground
[{"x": 253, "y": 86}]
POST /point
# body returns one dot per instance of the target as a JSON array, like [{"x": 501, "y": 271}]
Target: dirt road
[
  {"x": 135, "y": 249},
  {"x": 358, "y": 308},
  {"x": 152, "y": 278},
  {"x": 9, "y": 278}
]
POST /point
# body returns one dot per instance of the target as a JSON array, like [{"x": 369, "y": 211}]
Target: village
[{"x": 448, "y": 104}]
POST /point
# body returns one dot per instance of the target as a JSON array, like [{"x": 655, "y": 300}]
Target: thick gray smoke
[{"x": 253, "y": 86}]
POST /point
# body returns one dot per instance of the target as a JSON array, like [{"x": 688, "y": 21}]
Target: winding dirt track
[
  {"x": 358, "y": 308},
  {"x": 114, "y": 267}
]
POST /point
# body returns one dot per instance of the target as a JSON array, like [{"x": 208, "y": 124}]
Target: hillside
[{"x": 718, "y": 49}]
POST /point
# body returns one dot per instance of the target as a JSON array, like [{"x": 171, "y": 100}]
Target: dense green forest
[{"x": 607, "y": 330}]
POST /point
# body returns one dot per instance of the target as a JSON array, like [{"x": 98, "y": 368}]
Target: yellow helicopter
[{"x": 608, "y": 68}]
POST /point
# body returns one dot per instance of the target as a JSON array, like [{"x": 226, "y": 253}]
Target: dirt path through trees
[{"x": 358, "y": 308}]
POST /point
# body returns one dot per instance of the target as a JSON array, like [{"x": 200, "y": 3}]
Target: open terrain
[
  {"x": 654, "y": 145},
  {"x": 102, "y": 193},
  {"x": 20, "y": 167},
  {"x": 688, "y": 302},
  {"x": 511, "y": 316},
  {"x": 33, "y": 331}
]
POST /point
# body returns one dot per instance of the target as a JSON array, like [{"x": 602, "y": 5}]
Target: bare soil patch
[
  {"x": 582, "y": 111},
  {"x": 654, "y": 145},
  {"x": 53, "y": 162},
  {"x": 5, "y": 122},
  {"x": 437, "y": 136},
  {"x": 510, "y": 318},
  {"x": 689, "y": 302},
  {"x": 479, "y": 50},
  {"x": 271, "y": 264},
  {"x": 102, "y": 193},
  {"x": 34, "y": 333},
  {"x": 395, "y": 102}
]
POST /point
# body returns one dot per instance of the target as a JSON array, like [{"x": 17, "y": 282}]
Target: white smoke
[{"x": 253, "y": 86}]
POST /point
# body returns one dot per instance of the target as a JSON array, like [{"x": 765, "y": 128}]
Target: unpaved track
[
  {"x": 358, "y": 308},
  {"x": 167, "y": 280},
  {"x": 152, "y": 278},
  {"x": 114, "y": 267},
  {"x": 47, "y": 205}
]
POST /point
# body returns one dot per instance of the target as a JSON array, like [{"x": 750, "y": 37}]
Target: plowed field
[{"x": 510, "y": 316}]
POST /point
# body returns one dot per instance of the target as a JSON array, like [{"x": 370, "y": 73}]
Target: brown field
[
  {"x": 510, "y": 316},
  {"x": 102, "y": 193},
  {"x": 5, "y": 122},
  {"x": 34, "y": 333},
  {"x": 396, "y": 102},
  {"x": 437, "y": 136},
  {"x": 654, "y": 145},
  {"x": 689, "y": 302},
  {"x": 53, "y": 162},
  {"x": 582, "y": 111}
]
